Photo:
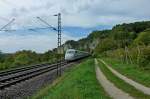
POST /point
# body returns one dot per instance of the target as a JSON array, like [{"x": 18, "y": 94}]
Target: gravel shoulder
[
  {"x": 109, "y": 87},
  {"x": 138, "y": 86}
]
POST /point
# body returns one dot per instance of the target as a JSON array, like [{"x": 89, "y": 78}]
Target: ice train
[{"x": 72, "y": 55}]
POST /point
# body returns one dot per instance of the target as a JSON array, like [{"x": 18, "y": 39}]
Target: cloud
[{"x": 82, "y": 14}]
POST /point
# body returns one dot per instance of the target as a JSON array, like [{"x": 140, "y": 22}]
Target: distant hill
[{"x": 126, "y": 32}]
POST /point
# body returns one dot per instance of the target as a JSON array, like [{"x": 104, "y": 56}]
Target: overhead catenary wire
[
  {"x": 58, "y": 29},
  {"x": 59, "y": 37},
  {"x": 50, "y": 26},
  {"x": 7, "y": 24}
]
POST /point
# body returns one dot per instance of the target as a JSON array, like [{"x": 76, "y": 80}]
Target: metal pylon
[{"x": 59, "y": 44}]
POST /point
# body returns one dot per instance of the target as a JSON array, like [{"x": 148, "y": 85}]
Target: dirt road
[{"x": 109, "y": 87}]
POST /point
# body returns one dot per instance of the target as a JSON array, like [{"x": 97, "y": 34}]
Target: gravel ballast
[{"x": 29, "y": 87}]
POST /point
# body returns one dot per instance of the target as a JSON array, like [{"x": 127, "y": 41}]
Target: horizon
[
  {"x": 71, "y": 39},
  {"x": 79, "y": 18}
]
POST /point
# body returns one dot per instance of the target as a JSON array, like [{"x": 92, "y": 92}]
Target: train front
[{"x": 69, "y": 55}]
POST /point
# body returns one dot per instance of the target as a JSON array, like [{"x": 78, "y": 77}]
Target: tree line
[{"x": 26, "y": 57}]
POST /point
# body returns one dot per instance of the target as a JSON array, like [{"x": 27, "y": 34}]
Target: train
[{"x": 72, "y": 55}]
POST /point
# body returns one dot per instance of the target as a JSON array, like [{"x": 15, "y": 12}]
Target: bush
[
  {"x": 105, "y": 45},
  {"x": 137, "y": 55},
  {"x": 22, "y": 59},
  {"x": 143, "y": 38},
  {"x": 145, "y": 58}
]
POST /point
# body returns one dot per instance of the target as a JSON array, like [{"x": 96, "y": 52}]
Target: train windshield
[{"x": 70, "y": 52}]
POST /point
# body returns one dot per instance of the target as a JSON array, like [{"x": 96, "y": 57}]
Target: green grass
[
  {"x": 121, "y": 84},
  {"x": 78, "y": 83},
  {"x": 132, "y": 71}
]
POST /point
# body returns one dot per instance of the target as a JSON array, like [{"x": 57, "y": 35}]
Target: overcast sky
[{"x": 79, "y": 18}]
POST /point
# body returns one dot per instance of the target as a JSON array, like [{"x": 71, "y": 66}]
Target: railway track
[
  {"x": 8, "y": 72},
  {"x": 12, "y": 77}
]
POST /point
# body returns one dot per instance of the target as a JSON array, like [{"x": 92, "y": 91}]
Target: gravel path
[
  {"x": 138, "y": 86},
  {"x": 109, "y": 87}
]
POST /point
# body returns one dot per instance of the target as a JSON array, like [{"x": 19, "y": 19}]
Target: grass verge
[
  {"x": 121, "y": 84},
  {"x": 78, "y": 83},
  {"x": 131, "y": 71}
]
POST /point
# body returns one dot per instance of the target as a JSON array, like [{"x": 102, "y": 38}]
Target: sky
[{"x": 79, "y": 18}]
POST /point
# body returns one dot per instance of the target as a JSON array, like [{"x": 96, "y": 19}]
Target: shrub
[
  {"x": 105, "y": 45},
  {"x": 143, "y": 38},
  {"x": 145, "y": 58}
]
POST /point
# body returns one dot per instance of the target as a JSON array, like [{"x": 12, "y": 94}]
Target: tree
[
  {"x": 105, "y": 45},
  {"x": 48, "y": 56},
  {"x": 22, "y": 59},
  {"x": 143, "y": 38}
]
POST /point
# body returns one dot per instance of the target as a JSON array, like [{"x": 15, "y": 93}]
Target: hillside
[
  {"x": 128, "y": 42},
  {"x": 130, "y": 31}
]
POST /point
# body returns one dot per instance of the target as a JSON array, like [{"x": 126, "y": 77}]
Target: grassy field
[
  {"x": 131, "y": 71},
  {"x": 78, "y": 83},
  {"x": 121, "y": 84}
]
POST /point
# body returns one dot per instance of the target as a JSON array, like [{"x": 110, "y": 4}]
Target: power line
[
  {"x": 7, "y": 24},
  {"x": 50, "y": 26},
  {"x": 59, "y": 39},
  {"x": 59, "y": 29}
]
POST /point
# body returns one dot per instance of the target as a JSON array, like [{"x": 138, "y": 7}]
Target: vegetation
[
  {"x": 129, "y": 43},
  {"x": 143, "y": 38},
  {"x": 121, "y": 84},
  {"x": 106, "y": 44},
  {"x": 23, "y": 58},
  {"x": 78, "y": 83}
]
